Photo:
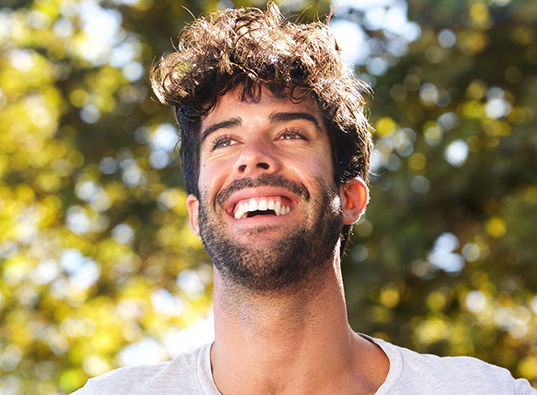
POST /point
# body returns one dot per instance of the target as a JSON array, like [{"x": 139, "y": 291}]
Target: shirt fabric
[{"x": 410, "y": 374}]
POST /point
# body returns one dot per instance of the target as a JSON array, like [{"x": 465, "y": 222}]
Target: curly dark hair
[{"x": 250, "y": 49}]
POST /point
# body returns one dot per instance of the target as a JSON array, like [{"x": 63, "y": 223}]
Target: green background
[{"x": 95, "y": 249}]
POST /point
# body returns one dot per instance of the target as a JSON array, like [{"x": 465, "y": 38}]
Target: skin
[{"x": 284, "y": 341}]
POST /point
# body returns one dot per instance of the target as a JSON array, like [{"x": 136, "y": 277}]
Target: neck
[{"x": 289, "y": 342}]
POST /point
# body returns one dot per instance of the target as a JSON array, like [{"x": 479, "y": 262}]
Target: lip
[{"x": 264, "y": 191}]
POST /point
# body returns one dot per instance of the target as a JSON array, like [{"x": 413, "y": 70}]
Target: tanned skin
[{"x": 291, "y": 339}]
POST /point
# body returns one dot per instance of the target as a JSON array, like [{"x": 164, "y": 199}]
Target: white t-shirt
[{"x": 410, "y": 374}]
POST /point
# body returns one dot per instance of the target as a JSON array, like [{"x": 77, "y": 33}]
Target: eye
[
  {"x": 292, "y": 134},
  {"x": 223, "y": 141}
]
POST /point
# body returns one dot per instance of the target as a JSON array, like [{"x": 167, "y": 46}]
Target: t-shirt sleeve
[
  {"x": 523, "y": 387},
  {"x": 86, "y": 390},
  {"x": 177, "y": 377},
  {"x": 413, "y": 373}
]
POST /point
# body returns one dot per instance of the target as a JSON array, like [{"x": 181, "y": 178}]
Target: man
[{"x": 275, "y": 151}]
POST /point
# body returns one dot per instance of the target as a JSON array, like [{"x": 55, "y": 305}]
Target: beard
[{"x": 287, "y": 264}]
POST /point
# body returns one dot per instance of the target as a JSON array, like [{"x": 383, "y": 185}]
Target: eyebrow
[
  {"x": 273, "y": 118},
  {"x": 291, "y": 116},
  {"x": 227, "y": 124}
]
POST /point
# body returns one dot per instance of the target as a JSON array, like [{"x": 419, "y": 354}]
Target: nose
[{"x": 256, "y": 158}]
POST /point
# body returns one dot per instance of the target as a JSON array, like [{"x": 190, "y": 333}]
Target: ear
[
  {"x": 192, "y": 205},
  {"x": 354, "y": 196}
]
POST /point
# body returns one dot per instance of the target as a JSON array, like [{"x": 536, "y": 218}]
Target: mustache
[{"x": 269, "y": 180}]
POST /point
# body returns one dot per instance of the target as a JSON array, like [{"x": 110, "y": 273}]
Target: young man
[{"x": 275, "y": 151}]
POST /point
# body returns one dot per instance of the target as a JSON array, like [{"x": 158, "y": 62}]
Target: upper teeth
[{"x": 260, "y": 204}]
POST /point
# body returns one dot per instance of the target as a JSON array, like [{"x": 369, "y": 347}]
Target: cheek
[
  {"x": 312, "y": 172},
  {"x": 213, "y": 176},
  {"x": 320, "y": 166}
]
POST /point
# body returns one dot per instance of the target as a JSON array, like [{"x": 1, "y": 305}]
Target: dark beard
[{"x": 289, "y": 263}]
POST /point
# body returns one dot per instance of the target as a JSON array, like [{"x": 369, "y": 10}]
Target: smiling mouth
[{"x": 275, "y": 205}]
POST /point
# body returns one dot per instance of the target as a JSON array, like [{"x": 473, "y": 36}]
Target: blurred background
[{"x": 98, "y": 267}]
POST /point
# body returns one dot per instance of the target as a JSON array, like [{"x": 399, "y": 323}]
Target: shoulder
[
  {"x": 162, "y": 379},
  {"x": 411, "y": 372}
]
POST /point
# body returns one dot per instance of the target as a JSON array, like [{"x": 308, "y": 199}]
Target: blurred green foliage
[{"x": 95, "y": 248}]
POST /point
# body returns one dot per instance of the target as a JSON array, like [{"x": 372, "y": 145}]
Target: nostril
[{"x": 242, "y": 169}]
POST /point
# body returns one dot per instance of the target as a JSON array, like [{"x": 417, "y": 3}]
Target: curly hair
[{"x": 253, "y": 49}]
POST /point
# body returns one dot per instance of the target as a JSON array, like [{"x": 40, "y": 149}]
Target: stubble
[{"x": 289, "y": 263}]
